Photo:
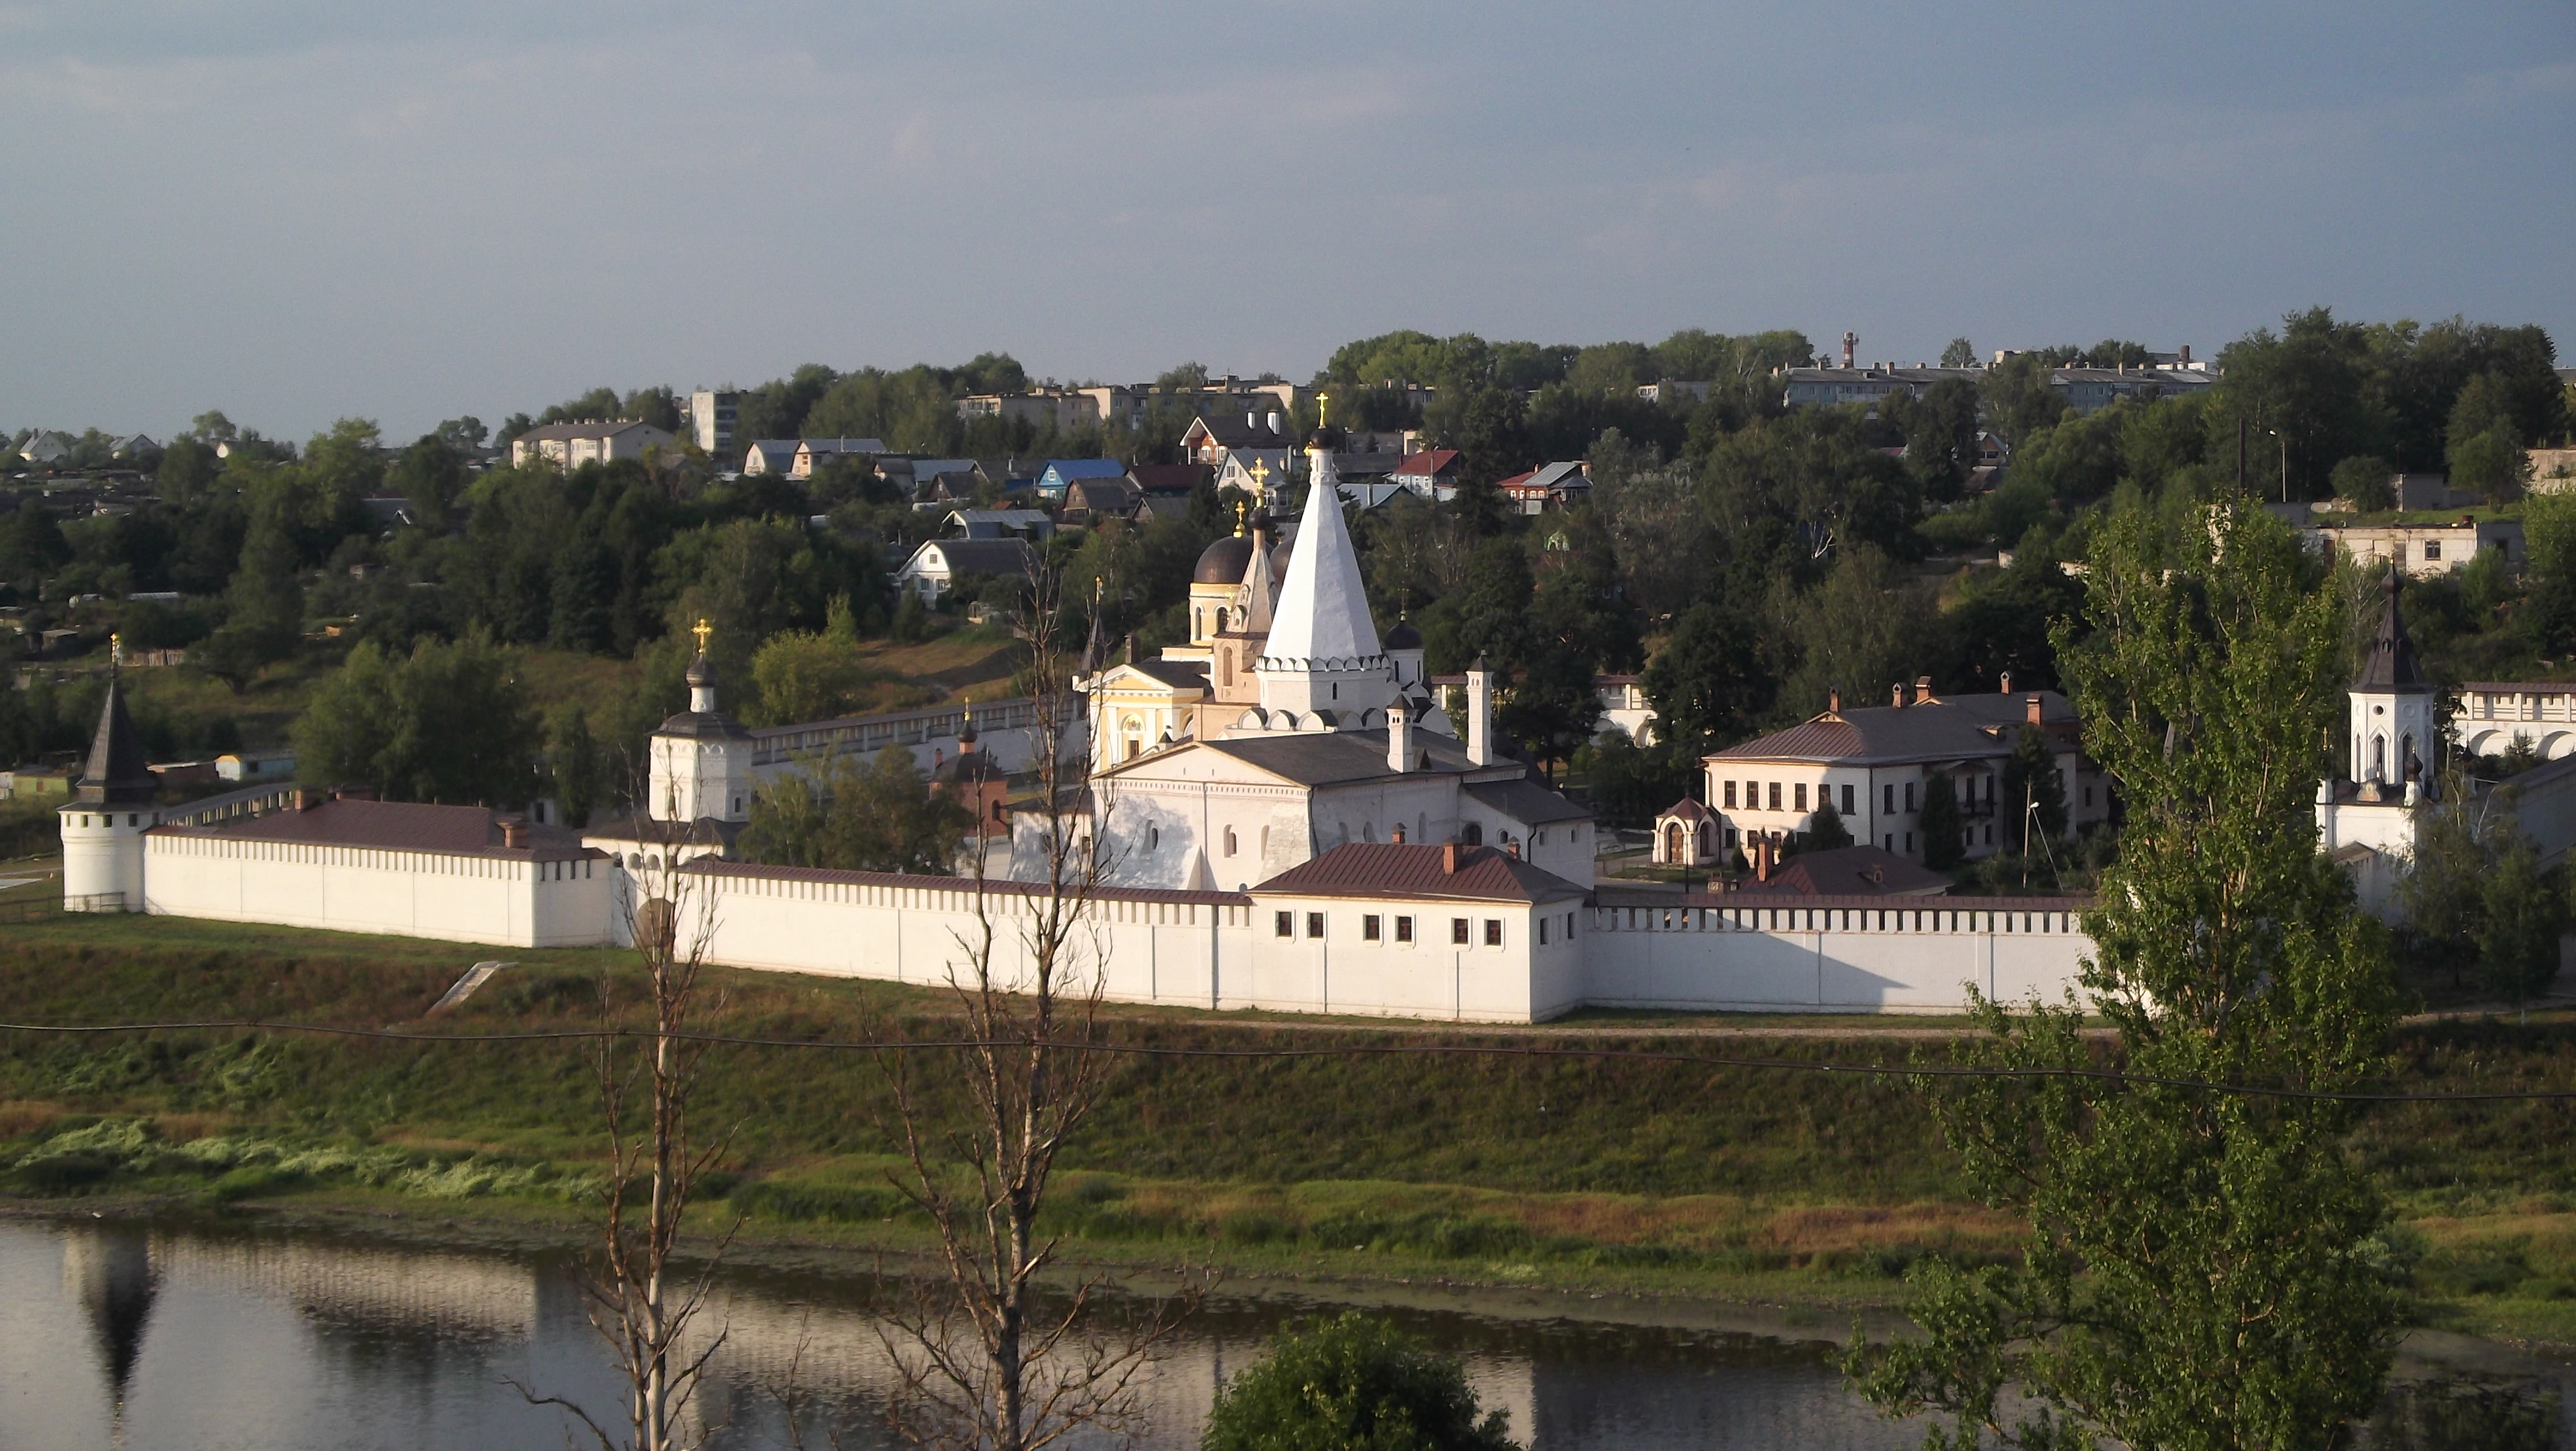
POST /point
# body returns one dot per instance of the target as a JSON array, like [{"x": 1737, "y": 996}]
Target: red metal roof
[
  {"x": 1433, "y": 461},
  {"x": 1362, "y": 869}
]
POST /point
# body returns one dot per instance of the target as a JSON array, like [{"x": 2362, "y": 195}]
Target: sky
[{"x": 298, "y": 211}]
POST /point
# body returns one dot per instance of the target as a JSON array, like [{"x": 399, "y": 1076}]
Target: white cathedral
[{"x": 1288, "y": 726}]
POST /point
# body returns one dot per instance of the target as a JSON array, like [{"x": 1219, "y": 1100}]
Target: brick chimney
[
  {"x": 1922, "y": 688},
  {"x": 1762, "y": 856},
  {"x": 2003, "y": 683},
  {"x": 514, "y": 833},
  {"x": 1834, "y": 700},
  {"x": 1449, "y": 858},
  {"x": 2030, "y": 708},
  {"x": 1399, "y": 833},
  {"x": 1514, "y": 847},
  {"x": 1399, "y": 737},
  {"x": 1896, "y": 696},
  {"x": 306, "y": 798},
  {"x": 1480, "y": 714}
]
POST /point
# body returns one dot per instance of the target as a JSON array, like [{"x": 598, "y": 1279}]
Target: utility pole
[{"x": 2240, "y": 453}]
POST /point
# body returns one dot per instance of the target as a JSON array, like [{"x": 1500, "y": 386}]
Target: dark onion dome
[
  {"x": 1224, "y": 561},
  {"x": 1279, "y": 558},
  {"x": 1403, "y": 637},
  {"x": 702, "y": 672},
  {"x": 1327, "y": 438}
]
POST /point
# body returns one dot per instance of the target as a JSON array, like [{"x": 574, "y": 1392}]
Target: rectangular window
[
  {"x": 1847, "y": 798},
  {"x": 1909, "y": 843},
  {"x": 1909, "y": 795},
  {"x": 1775, "y": 795},
  {"x": 1282, "y": 926},
  {"x": 1542, "y": 932},
  {"x": 1493, "y": 932},
  {"x": 1730, "y": 796},
  {"x": 1569, "y": 926},
  {"x": 1368, "y": 928},
  {"x": 1314, "y": 924},
  {"x": 1802, "y": 795},
  {"x": 2432, "y": 549},
  {"x": 1404, "y": 929},
  {"x": 2088, "y": 796},
  {"x": 1887, "y": 800},
  {"x": 1458, "y": 931}
]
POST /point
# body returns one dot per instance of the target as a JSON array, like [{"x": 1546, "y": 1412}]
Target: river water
[
  {"x": 198, "y": 1337},
  {"x": 194, "y": 1336}
]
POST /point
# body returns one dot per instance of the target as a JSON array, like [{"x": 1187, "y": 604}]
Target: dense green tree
[
  {"x": 579, "y": 767},
  {"x": 802, "y": 675},
  {"x": 1940, "y": 430},
  {"x": 429, "y": 475},
  {"x": 1825, "y": 830},
  {"x": 2199, "y": 1269},
  {"x": 2521, "y": 915},
  {"x": 2490, "y": 465},
  {"x": 188, "y": 469},
  {"x": 1551, "y": 708},
  {"x": 847, "y": 813},
  {"x": 2303, "y": 391},
  {"x": 2032, "y": 792},
  {"x": 1944, "y": 828},
  {"x": 1866, "y": 629},
  {"x": 2019, "y": 400},
  {"x": 449, "y": 722},
  {"x": 1822, "y": 486},
  {"x": 1712, "y": 681},
  {"x": 2369, "y": 482},
  {"x": 1961, "y": 353},
  {"x": 1352, "y": 1383},
  {"x": 1999, "y": 625},
  {"x": 1490, "y": 617}
]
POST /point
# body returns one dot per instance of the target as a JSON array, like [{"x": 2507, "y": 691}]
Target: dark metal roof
[
  {"x": 1403, "y": 637},
  {"x": 1641, "y": 896},
  {"x": 1223, "y": 562},
  {"x": 645, "y": 831},
  {"x": 714, "y": 867},
  {"x": 983, "y": 556},
  {"x": 1527, "y": 801},
  {"x": 117, "y": 773},
  {"x": 706, "y": 725},
  {"x": 1371, "y": 870},
  {"x": 1332, "y": 757},
  {"x": 2392, "y": 665},
  {"x": 397, "y": 826},
  {"x": 1943, "y": 729}
]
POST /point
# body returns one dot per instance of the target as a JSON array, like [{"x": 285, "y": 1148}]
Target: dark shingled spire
[
  {"x": 2392, "y": 666},
  {"x": 117, "y": 773}
]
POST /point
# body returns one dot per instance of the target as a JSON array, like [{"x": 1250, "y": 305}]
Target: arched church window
[
  {"x": 2379, "y": 758},
  {"x": 1229, "y": 841},
  {"x": 1473, "y": 834},
  {"x": 1673, "y": 842},
  {"x": 1707, "y": 840}
]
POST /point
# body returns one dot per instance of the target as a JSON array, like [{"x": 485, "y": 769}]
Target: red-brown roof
[
  {"x": 1688, "y": 809},
  {"x": 397, "y": 826},
  {"x": 1362, "y": 869},
  {"x": 1433, "y": 461},
  {"x": 1850, "y": 871}
]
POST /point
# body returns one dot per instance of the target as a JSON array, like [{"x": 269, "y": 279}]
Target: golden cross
[
  {"x": 1323, "y": 408},
  {"x": 1260, "y": 472},
  {"x": 1239, "y": 507},
  {"x": 702, "y": 629},
  {"x": 116, "y": 649}
]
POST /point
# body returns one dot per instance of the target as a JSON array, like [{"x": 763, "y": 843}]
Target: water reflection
[
  {"x": 193, "y": 1337},
  {"x": 108, "y": 1270}
]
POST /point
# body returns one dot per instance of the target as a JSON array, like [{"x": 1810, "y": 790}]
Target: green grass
[{"x": 1610, "y": 1172}]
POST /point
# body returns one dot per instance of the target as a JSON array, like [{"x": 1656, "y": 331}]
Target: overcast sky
[{"x": 298, "y": 210}]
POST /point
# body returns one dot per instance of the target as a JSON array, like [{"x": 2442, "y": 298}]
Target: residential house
[
  {"x": 133, "y": 446},
  {"x": 2424, "y": 550},
  {"x": 770, "y": 456},
  {"x": 1001, "y": 523},
  {"x": 1217, "y": 440},
  {"x": 1624, "y": 708},
  {"x": 2086, "y": 390},
  {"x": 1673, "y": 391},
  {"x": 814, "y": 453},
  {"x": 935, "y": 568},
  {"x": 1874, "y": 763},
  {"x": 1165, "y": 489},
  {"x": 1561, "y": 484},
  {"x": 570, "y": 445},
  {"x": 1060, "y": 474},
  {"x": 46, "y": 446},
  {"x": 1095, "y": 501},
  {"x": 1433, "y": 473}
]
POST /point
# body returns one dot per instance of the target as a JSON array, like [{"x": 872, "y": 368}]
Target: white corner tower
[
  {"x": 1323, "y": 661},
  {"x": 104, "y": 822},
  {"x": 701, "y": 757}
]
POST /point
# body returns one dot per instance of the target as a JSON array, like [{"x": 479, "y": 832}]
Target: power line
[{"x": 1347, "y": 1050}]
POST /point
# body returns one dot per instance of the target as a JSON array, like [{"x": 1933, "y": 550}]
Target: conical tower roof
[
  {"x": 117, "y": 773},
  {"x": 1322, "y": 620},
  {"x": 2392, "y": 667}
]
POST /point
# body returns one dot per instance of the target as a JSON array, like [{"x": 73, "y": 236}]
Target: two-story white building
[{"x": 1873, "y": 765}]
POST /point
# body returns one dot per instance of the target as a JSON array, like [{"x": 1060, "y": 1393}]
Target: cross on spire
[
  {"x": 702, "y": 630},
  {"x": 1260, "y": 472}
]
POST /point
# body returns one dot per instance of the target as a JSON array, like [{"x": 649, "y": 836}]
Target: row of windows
[
  {"x": 1373, "y": 928},
  {"x": 1754, "y": 795},
  {"x": 132, "y": 818}
]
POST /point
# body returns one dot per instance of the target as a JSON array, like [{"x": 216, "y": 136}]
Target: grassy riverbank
[{"x": 1619, "y": 1172}]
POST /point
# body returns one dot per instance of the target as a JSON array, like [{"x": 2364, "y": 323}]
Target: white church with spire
[{"x": 1289, "y": 726}]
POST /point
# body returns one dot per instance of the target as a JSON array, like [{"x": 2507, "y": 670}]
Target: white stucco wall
[
  {"x": 1832, "y": 954},
  {"x": 401, "y": 894}
]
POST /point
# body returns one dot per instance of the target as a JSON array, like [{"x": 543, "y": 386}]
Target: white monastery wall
[
  {"x": 1833, "y": 954},
  {"x": 1223, "y": 950},
  {"x": 398, "y": 893}
]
